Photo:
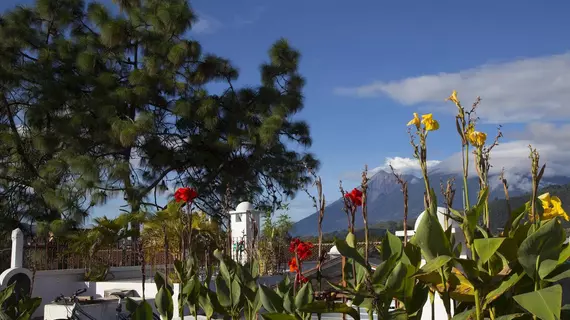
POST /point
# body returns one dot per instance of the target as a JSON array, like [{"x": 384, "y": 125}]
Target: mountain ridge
[{"x": 385, "y": 200}]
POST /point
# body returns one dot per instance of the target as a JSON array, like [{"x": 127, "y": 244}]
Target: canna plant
[{"x": 509, "y": 275}]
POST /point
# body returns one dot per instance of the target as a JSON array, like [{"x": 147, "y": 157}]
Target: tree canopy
[{"x": 99, "y": 102}]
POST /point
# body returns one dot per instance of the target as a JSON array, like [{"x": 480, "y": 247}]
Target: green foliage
[
  {"x": 100, "y": 102},
  {"x": 17, "y": 307}
]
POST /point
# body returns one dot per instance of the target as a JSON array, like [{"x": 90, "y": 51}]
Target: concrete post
[{"x": 17, "y": 260}]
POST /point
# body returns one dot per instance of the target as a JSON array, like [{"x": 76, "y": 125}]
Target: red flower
[
  {"x": 303, "y": 249},
  {"x": 185, "y": 195},
  {"x": 294, "y": 244},
  {"x": 355, "y": 196},
  {"x": 293, "y": 266},
  {"x": 301, "y": 279}
]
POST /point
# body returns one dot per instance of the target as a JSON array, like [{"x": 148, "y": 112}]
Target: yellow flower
[
  {"x": 429, "y": 122},
  {"x": 415, "y": 121},
  {"x": 476, "y": 138},
  {"x": 453, "y": 97},
  {"x": 552, "y": 207}
]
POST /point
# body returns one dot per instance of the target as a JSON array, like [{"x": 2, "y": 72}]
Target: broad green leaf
[
  {"x": 542, "y": 245},
  {"x": 504, "y": 286},
  {"x": 160, "y": 281},
  {"x": 206, "y": 305},
  {"x": 350, "y": 253},
  {"x": 270, "y": 300},
  {"x": 324, "y": 307},
  {"x": 236, "y": 293},
  {"x": 564, "y": 254},
  {"x": 511, "y": 316},
  {"x": 284, "y": 286},
  {"x": 560, "y": 273},
  {"x": 391, "y": 246},
  {"x": 6, "y": 293},
  {"x": 431, "y": 238},
  {"x": 164, "y": 304},
  {"x": 277, "y": 316},
  {"x": 288, "y": 303},
  {"x": 223, "y": 292},
  {"x": 434, "y": 265},
  {"x": 465, "y": 315},
  {"x": 304, "y": 296},
  {"x": 143, "y": 312},
  {"x": 485, "y": 248},
  {"x": 396, "y": 278},
  {"x": 412, "y": 255},
  {"x": 546, "y": 304},
  {"x": 351, "y": 240}
]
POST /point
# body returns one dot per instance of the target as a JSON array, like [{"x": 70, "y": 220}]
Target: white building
[{"x": 244, "y": 221}]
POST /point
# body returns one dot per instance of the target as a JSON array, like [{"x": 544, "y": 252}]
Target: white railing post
[{"x": 17, "y": 259}]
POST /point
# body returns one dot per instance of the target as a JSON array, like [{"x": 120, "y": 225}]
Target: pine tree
[{"x": 116, "y": 104}]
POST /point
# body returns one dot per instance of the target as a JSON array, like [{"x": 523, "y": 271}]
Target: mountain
[{"x": 385, "y": 200}]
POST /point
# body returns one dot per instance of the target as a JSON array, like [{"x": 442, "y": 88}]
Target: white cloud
[
  {"x": 532, "y": 89},
  {"x": 551, "y": 141},
  {"x": 206, "y": 24},
  {"x": 403, "y": 165}
]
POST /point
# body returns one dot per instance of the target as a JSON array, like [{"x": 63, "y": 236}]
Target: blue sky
[{"x": 370, "y": 64}]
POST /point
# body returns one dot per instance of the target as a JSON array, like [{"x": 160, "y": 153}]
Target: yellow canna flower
[
  {"x": 453, "y": 97},
  {"x": 429, "y": 122},
  {"x": 476, "y": 138},
  {"x": 552, "y": 207},
  {"x": 415, "y": 121}
]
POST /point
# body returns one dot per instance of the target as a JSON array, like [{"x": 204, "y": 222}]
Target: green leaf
[
  {"x": 288, "y": 303},
  {"x": 284, "y": 286},
  {"x": 433, "y": 265},
  {"x": 236, "y": 293},
  {"x": 431, "y": 238},
  {"x": 560, "y": 273},
  {"x": 6, "y": 293},
  {"x": 505, "y": 285},
  {"x": 465, "y": 315},
  {"x": 350, "y": 253},
  {"x": 546, "y": 304},
  {"x": 131, "y": 305},
  {"x": 277, "y": 316},
  {"x": 511, "y": 316},
  {"x": 391, "y": 246},
  {"x": 270, "y": 300},
  {"x": 395, "y": 280},
  {"x": 143, "y": 312},
  {"x": 542, "y": 245},
  {"x": 351, "y": 240},
  {"x": 485, "y": 248},
  {"x": 164, "y": 304},
  {"x": 206, "y": 304},
  {"x": 304, "y": 296},
  {"x": 160, "y": 281},
  {"x": 321, "y": 307},
  {"x": 223, "y": 292}
]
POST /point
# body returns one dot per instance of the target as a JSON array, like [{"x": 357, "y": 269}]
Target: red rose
[
  {"x": 185, "y": 195},
  {"x": 355, "y": 196}
]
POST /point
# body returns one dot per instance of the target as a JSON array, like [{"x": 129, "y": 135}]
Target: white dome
[
  {"x": 334, "y": 251},
  {"x": 440, "y": 216},
  {"x": 244, "y": 206}
]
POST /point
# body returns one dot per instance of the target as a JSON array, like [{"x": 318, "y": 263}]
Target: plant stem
[
  {"x": 447, "y": 299},
  {"x": 478, "y": 315},
  {"x": 466, "y": 174}
]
